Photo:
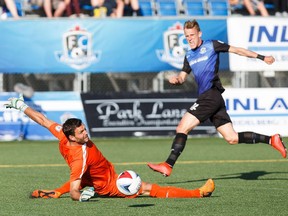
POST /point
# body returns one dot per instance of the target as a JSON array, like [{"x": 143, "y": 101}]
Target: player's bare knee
[{"x": 183, "y": 130}]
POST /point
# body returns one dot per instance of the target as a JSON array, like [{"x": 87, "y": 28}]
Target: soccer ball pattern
[
  {"x": 178, "y": 52},
  {"x": 77, "y": 53},
  {"x": 128, "y": 182}
]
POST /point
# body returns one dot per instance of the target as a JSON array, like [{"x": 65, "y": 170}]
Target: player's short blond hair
[{"x": 189, "y": 24}]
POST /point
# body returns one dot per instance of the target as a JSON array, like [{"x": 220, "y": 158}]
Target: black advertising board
[{"x": 118, "y": 115}]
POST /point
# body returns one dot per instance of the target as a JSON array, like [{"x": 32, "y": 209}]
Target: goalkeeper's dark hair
[{"x": 70, "y": 125}]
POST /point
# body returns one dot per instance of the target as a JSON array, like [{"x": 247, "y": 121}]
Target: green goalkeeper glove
[
  {"x": 16, "y": 103},
  {"x": 87, "y": 194}
]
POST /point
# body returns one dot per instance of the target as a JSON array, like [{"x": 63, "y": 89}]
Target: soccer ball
[
  {"x": 178, "y": 52},
  {"x": 128, "y": 182},
  {"x": 77, "y": 53}
]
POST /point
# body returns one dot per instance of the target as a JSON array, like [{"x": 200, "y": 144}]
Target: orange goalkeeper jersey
[{"x": 87, "y": 163}]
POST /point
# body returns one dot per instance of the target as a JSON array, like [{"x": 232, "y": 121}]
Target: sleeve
[
  {"x": 78, "y": 165},
  {"x": 56, "y": 130},
  {"x": 220, "y": 46},
  {"x": 77, "y": 169},
  {"x": 186, "y": 67}
]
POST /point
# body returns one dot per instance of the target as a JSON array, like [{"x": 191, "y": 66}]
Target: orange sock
[
  {"x": 173, "y": 192},
  {"x": 65, "y": 188}
]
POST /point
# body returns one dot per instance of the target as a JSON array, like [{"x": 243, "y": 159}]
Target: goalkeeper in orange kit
[{"x": 88, "y": 166}]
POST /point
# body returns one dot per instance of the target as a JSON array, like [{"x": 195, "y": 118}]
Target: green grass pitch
[{"x": 250, "y": 179}]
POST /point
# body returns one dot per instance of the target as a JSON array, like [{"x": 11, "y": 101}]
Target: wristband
[
  {"x": 261, "y": 57},
  {"x": 23, "y": 107}
]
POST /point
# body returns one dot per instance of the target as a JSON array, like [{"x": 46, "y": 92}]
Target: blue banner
[
  {"x": 99, "y": 45},
  {"x": 57, "y": 106}
]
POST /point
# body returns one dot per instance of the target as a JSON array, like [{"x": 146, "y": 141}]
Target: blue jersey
[{"x": 204, "y": 64}]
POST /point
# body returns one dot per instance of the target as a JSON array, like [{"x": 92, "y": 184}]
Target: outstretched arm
[
  {"x": 250, "y": 54},
  {"x": 38, "y": 117},
  {"x": 19, "y": 104}
]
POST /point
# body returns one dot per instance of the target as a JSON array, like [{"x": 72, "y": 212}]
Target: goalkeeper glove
[
  {"x": 87, "y": 194},
  {"x": 16, "y": 103}
]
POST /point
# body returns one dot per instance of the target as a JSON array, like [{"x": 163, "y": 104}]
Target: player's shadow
[
  {"x": 141, "y": 205},
  {"x": 249, "y": 176},
  {"x": 254, "y": 175}
]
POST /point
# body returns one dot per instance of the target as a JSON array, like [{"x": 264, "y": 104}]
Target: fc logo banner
[
  {"x": 77, "y": 49},
  {"x": 175, "y": 46}
]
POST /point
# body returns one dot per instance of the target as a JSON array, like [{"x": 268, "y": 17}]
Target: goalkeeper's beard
[{"x": 83, "y": 140}]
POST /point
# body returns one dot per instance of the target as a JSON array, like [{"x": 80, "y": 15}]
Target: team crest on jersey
[
  {"x": 77, "y": 49},
  {"x": 203, "y": 50},
  {"x": 58, "y": 128},
  {"x": 175, "y": 46}
]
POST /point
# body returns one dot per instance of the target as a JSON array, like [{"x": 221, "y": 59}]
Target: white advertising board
[
  {"x": 266, "y": 36},
  {"x": 262, "y": 110}
]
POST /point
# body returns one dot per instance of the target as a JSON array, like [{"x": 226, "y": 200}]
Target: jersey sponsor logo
[
  {"x": 77, "y": 49},
  {"x": 194, "y": 106},
  {"x": 203, "y": 58},
  {"x": 175, "y": 46}
]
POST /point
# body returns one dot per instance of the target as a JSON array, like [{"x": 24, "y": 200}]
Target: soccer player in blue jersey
[{"x": 203, "y": 61}]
